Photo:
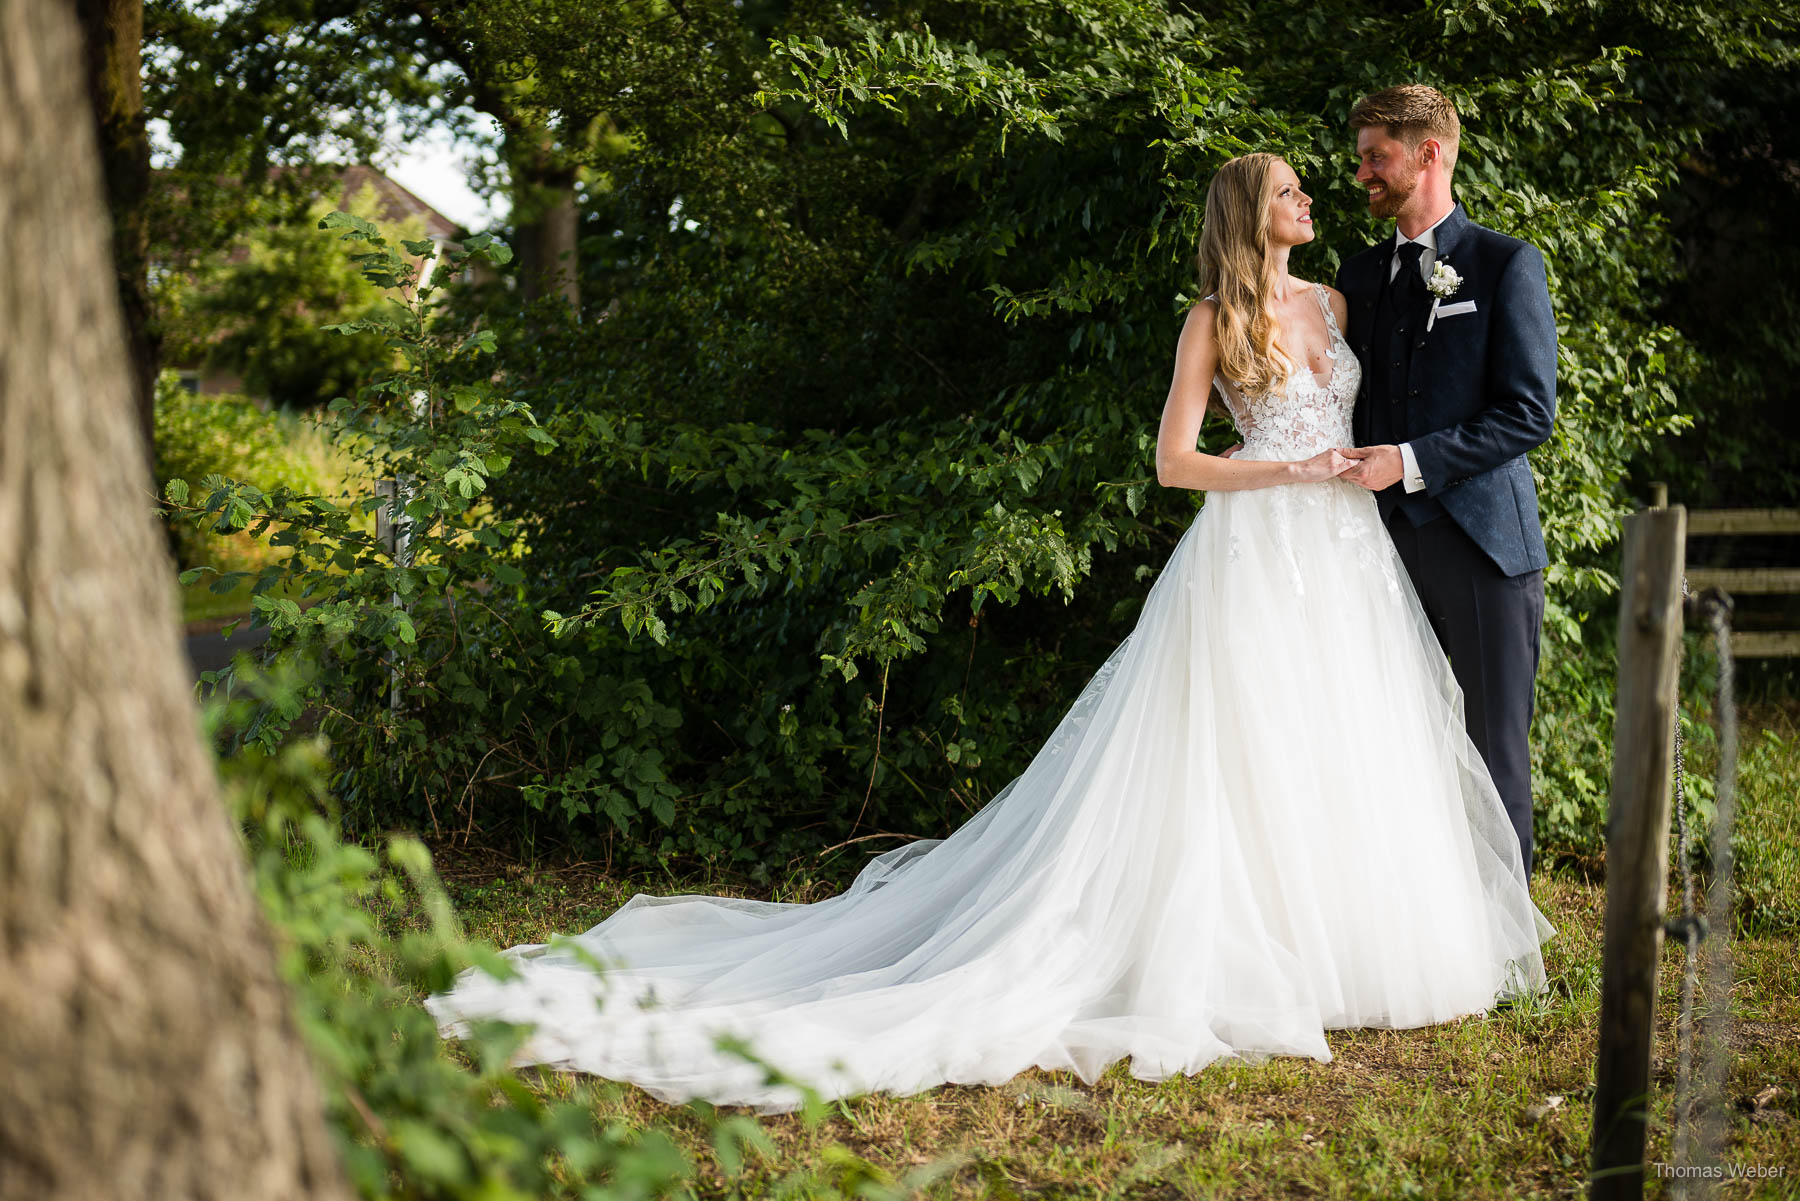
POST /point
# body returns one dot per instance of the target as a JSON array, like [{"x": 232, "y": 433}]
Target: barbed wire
[
  {"x": 1700, "y": 1118},
  {"x": 1715, "y": 1116}
]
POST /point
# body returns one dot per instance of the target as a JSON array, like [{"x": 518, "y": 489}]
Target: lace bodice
[{"x": 1302, "y": 417}]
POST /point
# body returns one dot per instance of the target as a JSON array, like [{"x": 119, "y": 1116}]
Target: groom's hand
[{"x": 1377, "y": 467}]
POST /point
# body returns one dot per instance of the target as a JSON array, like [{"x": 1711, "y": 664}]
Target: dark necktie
[{"x": 1408, "y": 283}]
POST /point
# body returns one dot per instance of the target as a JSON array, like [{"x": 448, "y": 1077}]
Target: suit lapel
[{"x": 1450, "y": 233}]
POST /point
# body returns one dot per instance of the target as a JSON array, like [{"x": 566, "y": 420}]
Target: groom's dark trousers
[{"x": 1471, "y": 394}]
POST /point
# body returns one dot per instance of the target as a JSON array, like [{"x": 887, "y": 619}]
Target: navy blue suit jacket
[{"x": 1480, "y": 389}]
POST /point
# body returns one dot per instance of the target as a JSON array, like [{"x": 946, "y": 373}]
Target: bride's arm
[{"x": 1178, "y": 463}]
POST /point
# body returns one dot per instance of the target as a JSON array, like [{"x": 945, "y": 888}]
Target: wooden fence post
[{"x": 1637, "y": 844}]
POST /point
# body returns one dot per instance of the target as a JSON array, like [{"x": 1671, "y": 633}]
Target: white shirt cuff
[{"x": 1409, "y": 473}]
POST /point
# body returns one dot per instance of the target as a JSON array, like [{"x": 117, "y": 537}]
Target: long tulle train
[{"x": 1261, "y": 819}]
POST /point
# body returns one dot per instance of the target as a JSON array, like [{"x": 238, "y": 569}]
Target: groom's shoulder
[
  {"x": 1372, "y": 251},
  {"x": 1366, "y": 260},
  {"x": 1496, "y": 244}
]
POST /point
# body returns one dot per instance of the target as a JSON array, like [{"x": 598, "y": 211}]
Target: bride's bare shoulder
[
  {"x": 1204, "y": 312},
  {"x": 1201, "y": 322},
  {"x": 1340, "y": 308}
]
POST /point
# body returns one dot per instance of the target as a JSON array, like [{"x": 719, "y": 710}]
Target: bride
[{"x": 1262, "y": 818}]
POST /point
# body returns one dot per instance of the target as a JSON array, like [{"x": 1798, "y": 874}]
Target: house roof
[{"x": 397, "y": 203}]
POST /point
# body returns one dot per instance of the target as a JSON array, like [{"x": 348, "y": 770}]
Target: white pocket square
[{"x": 1440, "y": 309}]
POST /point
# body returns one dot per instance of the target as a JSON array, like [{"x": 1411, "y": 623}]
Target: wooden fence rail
[
  {"x": 1743, "y": 521},
  {"x": 1748, "y": 581}
]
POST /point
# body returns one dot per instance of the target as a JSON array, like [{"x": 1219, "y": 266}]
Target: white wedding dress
[{"x": 1261, "y": 819}]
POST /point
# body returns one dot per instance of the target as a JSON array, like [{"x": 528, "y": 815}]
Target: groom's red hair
[{"x": 1411, "y": 113}]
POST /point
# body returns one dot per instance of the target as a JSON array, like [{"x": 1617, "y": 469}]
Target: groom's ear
[{"x": 1430, "y": 151}]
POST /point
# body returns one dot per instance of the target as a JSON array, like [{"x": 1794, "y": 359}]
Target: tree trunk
[
  {"x": 113, "y": 34},
  {"x": 546, "y": 219},
  {"x": 148, "y": 1043}
]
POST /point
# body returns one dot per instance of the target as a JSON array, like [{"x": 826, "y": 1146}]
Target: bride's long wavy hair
[{"x": 1236, "y": 268}]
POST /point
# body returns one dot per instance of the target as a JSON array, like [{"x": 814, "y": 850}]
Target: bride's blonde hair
[{"x": 1235, "y": 267}]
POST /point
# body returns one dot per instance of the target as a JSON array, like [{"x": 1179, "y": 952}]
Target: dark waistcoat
[{"x": 1399, "y": 323}]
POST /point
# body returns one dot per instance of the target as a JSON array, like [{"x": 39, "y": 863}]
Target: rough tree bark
[
  {"x": 148, "y": 1043},
  {"x": 113, "y": 36}
]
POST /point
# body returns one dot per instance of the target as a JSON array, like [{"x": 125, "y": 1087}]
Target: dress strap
[{"x": 1320, "y": 294}]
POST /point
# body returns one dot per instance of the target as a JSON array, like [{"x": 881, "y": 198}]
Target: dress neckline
[
  {"x": 1334, "y": 343},
  {"x": 1332, "y": 339}
]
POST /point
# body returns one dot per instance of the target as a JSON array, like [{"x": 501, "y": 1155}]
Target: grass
[
  {"x": 231, "y": 435},
  {"x": 1466, "y": 1109},
  {"x": 1766, "y": 844}
]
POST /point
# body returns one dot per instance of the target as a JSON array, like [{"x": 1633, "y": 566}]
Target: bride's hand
[{"x": 1327, "y": 464}]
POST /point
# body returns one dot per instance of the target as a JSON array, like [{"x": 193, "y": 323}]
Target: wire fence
[
  {"x": 1649, "y": 786},
  {"x": 1701, "y": 1113}
]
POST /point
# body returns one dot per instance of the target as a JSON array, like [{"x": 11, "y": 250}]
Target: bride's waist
[{"x": 1286, "y": 450}]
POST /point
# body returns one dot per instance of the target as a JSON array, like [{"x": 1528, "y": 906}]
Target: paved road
[{"x": 207, "y": 651}]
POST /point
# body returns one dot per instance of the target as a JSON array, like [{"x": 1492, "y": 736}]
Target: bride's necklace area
[{"x": 1304, "y": 368}]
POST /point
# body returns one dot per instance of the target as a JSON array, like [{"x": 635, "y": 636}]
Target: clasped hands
[{"x": 1374, "y": 467}]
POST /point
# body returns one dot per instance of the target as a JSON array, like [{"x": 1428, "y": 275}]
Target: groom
[{"x": 1453, "y": 326}]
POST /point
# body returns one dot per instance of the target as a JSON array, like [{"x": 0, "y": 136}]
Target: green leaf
[
  {"x": 490, "y": 247},
  {"x": 357, "y": 227},
  {"x": 429, "y": 1153}
]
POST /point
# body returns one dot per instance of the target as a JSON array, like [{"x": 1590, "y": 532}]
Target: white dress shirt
[{"x": 1409, "y": 472}]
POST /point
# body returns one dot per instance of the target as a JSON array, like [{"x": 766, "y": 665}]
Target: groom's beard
[{"x": 1392, "y": 200}]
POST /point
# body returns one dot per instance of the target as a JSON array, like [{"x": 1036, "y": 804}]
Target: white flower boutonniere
[
  {"x": 1444, "y": 281},
  {"x": 1442, "y": 285}
]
